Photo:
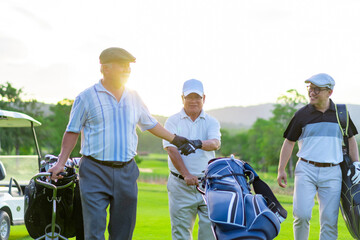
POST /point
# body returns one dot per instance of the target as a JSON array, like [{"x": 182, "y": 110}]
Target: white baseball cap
[{"x": 193, "y": 86}]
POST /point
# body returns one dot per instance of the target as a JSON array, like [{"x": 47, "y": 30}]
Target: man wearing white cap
[
  {"x": 319, "y": 137},
  {"x": 185, "y": 202}
]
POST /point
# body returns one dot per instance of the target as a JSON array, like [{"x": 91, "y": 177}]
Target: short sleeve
[
  {"x": 352, "y": 129},
  {"x": 77, "y": 116},
  {"x": 146, "y": 121},
  {"x": 214, "y": 129},
  {"x": 293, "y": 130}
]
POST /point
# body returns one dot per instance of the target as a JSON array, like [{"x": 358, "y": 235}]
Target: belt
[
  {"x": 179, "y": 176},
  {"x": 317, "y": 164},
  {"x": 114, "y": 164}
]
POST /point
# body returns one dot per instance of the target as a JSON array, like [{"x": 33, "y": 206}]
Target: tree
[
  {"x": 287, "y": 105},
  {"x": 17, "y": 140},
  {"x": 55, "y": 125},
  {"x": 10, "y": 96},
  {"x": 264, "y": 138}
]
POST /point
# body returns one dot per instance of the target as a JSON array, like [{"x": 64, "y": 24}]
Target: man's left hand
[
  {"x": 356, "y": 178},
  {"x": 196, "y": 143},
  {"x": 190, "y": 147},
  {"x": 187, "y": 149}
]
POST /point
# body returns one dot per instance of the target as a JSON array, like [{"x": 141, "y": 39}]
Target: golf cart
[{"x": 12, "y": 191}]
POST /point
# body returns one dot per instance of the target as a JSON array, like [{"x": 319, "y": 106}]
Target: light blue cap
[
  {"x": 322, "y": 80},
  {"x": 193, "y": 86}
]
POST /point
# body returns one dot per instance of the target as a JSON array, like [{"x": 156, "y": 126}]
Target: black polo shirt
[{"x": 318, "y": 134}]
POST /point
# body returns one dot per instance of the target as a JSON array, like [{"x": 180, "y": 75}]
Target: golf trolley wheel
[{"x": 4, "y": 225}]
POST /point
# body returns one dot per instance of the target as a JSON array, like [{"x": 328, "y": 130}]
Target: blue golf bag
[{"x": 234, "y": 211}]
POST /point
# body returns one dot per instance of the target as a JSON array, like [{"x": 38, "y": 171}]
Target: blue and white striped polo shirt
[
  {"x": 109, "y": 126},
  {"x": 318, "y": 134}
]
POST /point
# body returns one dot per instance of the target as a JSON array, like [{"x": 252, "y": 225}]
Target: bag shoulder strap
[{"x": 342, "y": 116}]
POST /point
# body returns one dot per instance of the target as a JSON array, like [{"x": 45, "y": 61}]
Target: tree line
[
  {"x": 19, "y": 141},
  {"x": 260, "y": 145}
]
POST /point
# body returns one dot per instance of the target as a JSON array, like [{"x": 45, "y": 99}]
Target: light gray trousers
[
  {"x": 326, "y": 182},
  {"x": 185, "y": 202},
  {"x": 102, "y": 185}
]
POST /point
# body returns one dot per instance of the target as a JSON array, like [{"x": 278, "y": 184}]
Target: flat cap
[
  {"x": 322, "y": 80},
  {"x": 115, "y": 54}
]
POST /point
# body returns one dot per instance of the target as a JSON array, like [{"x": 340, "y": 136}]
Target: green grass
[{"x": 153, "y": 220}]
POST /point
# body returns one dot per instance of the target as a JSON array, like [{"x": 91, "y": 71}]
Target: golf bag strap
[
  {"x": 260, "y": 187},
  {"x": 342, "y": 116}
]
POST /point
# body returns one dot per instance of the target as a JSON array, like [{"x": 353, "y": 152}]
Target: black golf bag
[
  {"x": 350, "y": 193},
  {"x": 39, "y": 205},
  {"x": 350, "y": 199},
  {"x": 234, "y": 211}
]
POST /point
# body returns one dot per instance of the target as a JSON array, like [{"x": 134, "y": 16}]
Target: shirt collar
[
  {"x": 331, "y": 108},
  {"x": 100, "y": 88},
  {"x": 184, "y": 115}
]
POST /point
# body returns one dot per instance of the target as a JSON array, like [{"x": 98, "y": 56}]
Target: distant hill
[{"x": 239, "y": 117}]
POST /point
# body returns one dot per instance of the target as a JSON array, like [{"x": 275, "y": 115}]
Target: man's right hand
[
  {"x": 191, "y": 180},
  {"x": 55, "y": 170},
  {"x": 282, "y": 177}
]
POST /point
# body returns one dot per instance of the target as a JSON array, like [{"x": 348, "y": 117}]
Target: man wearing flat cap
[
  {"x": 319, "y": 137},
  {"x": 107, "y": 114},
  {"x": 185, "y": 202}
]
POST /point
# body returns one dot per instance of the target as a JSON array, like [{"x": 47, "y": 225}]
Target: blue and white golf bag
[{"x": 234, "y": 211}]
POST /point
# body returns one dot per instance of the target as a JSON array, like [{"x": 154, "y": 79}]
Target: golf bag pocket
[
  {"x": 234, "y": 211},
  {"x": 350, "y": 199}
]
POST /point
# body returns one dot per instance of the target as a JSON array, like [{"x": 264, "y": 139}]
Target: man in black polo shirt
[{"x": 319, "y": 137}]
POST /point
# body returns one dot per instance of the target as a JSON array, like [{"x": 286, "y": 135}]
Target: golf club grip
[{"x": 200, "y": 190}]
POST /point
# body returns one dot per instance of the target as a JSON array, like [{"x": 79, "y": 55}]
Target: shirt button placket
[{"x": 193, "y": 130}]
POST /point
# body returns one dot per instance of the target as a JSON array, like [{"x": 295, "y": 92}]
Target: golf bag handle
[{"x": 47, "y": 184}]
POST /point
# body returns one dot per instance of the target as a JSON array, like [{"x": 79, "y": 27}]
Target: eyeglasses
[{"x": 316, "y": 90}]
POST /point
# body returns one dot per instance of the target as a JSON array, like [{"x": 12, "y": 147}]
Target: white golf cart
[{"x": 11, "y": 192}]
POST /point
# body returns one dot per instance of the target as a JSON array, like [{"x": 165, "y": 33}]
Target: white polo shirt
[{"x": 205, "y": 127}]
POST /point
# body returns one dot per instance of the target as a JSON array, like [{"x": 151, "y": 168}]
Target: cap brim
[
  {"x": 319, "y": 85},
  {"x": 193, "y": 91}
]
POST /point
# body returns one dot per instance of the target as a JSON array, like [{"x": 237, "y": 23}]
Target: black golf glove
[
  {"x": 178, "y": 141},
  {"x": 196, "y": 143},
  {"x": 185, "y": 145},
  {"x": 187, "y": 149}
]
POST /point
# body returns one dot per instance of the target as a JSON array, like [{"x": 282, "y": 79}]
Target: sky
[{"x": 246, "y": 52}]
